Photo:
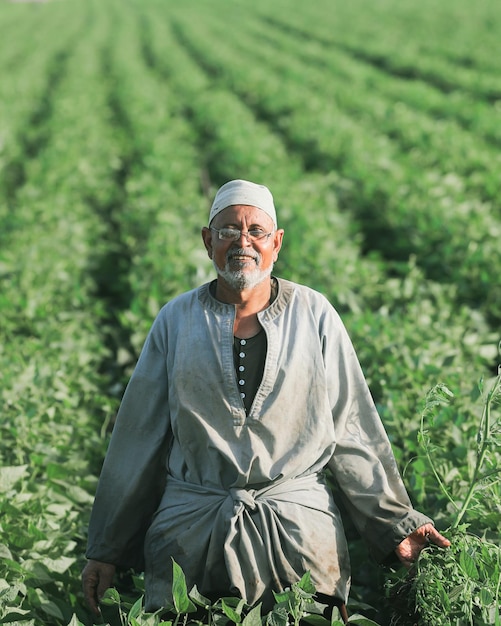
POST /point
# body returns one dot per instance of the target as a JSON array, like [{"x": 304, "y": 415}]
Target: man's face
[{"x": 243, "y": 263}]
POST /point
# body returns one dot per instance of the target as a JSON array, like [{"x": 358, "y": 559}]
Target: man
[{"x": 246, "y": 391}]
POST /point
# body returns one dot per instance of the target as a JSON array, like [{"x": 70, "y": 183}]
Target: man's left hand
[{"x": 409, "y": 549}]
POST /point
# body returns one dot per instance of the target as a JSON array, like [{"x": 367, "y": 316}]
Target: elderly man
[{"x": 247, "y": 389}]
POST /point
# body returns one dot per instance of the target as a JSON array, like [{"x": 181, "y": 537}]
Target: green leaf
[
  {"x": 5, "y": 553},
  {"x": 15, "y": 616},
  {"x": 37, "y": 572},
  {"x": 230, "y": 612},
  {"x": 138, "y": 582},
  {"x": 136, "y": 608},
  {"x": 486, "y": 597},
  {"x": 317, "y": 620},
  {"x": 282, "y": 596},
  {"x": 75, "y": 493},
  {"x": 253, "y": 617},
  {"x": 59, "y": 565},
  {"x": 305, "y": 583},
  {"x": 456, "y": 592},
  {"x": 198, "y": 598},
  {"x": 9, "y": 476},
  {"x": 74, "y": 621},
  {"x": 110, "y": 597},
  {"x": 182, "y": 602},
  {"x": 468, "y": 565},
  {"x": 361, "y": 620},
  {"x": 279, "y": 616},
  {"x": 50, "y": 608}
]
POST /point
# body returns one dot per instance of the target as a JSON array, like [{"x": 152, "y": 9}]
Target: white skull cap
[{"x": 243, "y": 192}]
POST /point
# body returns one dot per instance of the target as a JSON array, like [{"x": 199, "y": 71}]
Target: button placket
[{"x": 241, "y": 368}]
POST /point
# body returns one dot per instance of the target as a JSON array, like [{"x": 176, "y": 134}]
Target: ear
[
  {"x": 207, "y": 239},
  {"x": 278, "y": 236}
]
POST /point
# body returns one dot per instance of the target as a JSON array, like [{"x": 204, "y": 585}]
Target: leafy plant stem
[
  {"x": 424, "y": 440},
  {"x": 485, "y": 430}
]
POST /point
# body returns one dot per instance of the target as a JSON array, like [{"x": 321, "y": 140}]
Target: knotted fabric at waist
[
  {"x": 266, "y": 536},
  {"x": 307, "y": 490}
]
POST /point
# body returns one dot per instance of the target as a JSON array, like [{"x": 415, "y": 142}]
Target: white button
[
  {"x": 242, "y": 355},
  {"x": 241, "y": 382},
  {"x": 241, "y": 368},
  {"x": 242, "y": 342},
  {"x": 242, "y": 395}
]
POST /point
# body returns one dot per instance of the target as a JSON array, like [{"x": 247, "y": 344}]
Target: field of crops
[{"x": 377, "y": 126}]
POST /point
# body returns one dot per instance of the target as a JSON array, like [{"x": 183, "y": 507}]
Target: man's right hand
[{"x": 96, "y": 578}]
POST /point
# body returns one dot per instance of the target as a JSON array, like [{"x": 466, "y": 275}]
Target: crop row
[
  {"x": 75, "y": 269},
  {"x": 360, "y": 87},
  {"x": 407, "y": 44},
  {"x": 54, "y": 390},
  {"x": 421, "y": 140},
  {"x": 412, "y": 202},
  {"x": 469, "y": 112}
]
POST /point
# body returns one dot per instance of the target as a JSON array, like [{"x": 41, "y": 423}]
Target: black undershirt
[{"x": 249, "y": 356}]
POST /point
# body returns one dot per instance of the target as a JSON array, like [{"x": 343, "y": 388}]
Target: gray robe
[{"x": 240, "y": 501}]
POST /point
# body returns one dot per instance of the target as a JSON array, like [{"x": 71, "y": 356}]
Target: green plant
[
  {"x": 459, "y": 586},
  {"x": 293, "y": 606},
  {"x": 485, "y": 475}
]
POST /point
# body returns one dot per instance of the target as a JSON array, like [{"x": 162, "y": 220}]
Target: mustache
[{"x": 242, "y": 252}]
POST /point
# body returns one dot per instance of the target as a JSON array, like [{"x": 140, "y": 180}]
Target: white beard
[{"x": 242, "y": 279}]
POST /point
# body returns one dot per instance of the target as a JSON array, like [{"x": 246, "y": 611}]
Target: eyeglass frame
[{"x": 247, "y": 234}]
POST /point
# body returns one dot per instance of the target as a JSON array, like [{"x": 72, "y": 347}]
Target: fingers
[
  {"x": 105, "y": 582},
  {"x": 90, "y": 581},
  {"x": 436, "y": 538},
  {"x": 409, "y": 549},
  {"x": 96, "y": 578}
]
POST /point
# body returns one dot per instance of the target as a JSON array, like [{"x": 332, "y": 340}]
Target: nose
[{"x": 245, "y": 236}]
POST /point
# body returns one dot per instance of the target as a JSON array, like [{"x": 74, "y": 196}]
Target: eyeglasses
[{"x": 233, "y": 234}]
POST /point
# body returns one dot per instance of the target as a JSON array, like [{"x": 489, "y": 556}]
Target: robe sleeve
[
  {"x": 133, "y": 474},
  {"x": 363, "y": 463}
]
